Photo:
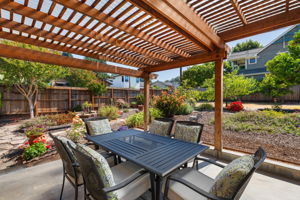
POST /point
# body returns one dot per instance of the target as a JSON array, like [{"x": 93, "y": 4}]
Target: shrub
[
  {"x": 86, "y": 106},
  {"x": 125, "y": 110},
  {"x": 235, "y": 106},
  {"x": 169, "y": 104},
  {"x": 185, "y": 109},
  {"x": 61, "y": 119},
  {"x": 77, "y": 108},
  {"x": 34, "y": 150},
  {"x": 137, "y": 119},
  {"x": 139, "y": 99},
  {"x": 121, "y": 103},
  {"x": 35, "y": 130},
  {"x": 263, "y": 122},
  {"x": 111, "y": 112},
  {"x": 205, "y": 107}
]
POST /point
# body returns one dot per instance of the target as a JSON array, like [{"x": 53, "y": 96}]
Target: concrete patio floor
[{"x": 43, "y": 182}]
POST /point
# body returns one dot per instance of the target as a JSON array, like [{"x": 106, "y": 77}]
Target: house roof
[{"x": 244, "y": 54}]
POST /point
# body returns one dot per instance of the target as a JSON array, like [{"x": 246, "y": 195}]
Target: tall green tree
[
  {"x": 234, "y": 86},
  {"x": 286, "y": 66},
  {"x": 247, "y": 45},
  {"x": 273, "y": 87},
  {"x": 28, "y": 77},
  {"x": 197, "y": 74}
]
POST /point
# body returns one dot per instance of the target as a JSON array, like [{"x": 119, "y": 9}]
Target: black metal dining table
[{"x": 160, "y": 155}]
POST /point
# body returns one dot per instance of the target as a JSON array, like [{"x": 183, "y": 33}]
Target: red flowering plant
[
  {"x": 169, "y": 104},
  {"x": 235, "y": 106}
]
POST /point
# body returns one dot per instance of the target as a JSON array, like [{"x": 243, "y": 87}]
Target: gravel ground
[{"x": 278, "y": 146}]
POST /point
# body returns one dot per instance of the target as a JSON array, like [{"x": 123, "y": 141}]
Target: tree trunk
[{"x": 31, "y": 108}]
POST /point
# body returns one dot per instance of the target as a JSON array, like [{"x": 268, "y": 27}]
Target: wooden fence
[
  {"x": 294, "y": 96},
  {"x": 62, "y": 99}
]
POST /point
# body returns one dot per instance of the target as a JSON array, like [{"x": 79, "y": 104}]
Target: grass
[{"x": 271, "y": 122}]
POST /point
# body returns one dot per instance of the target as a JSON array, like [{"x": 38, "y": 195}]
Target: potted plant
[
  {"x": 35, "y": 133},
  {"x": 133, "y": 104},
  {"x": 76, "y": 130},
  {"x": 140, "y": 101},
  {"x": 87, "y": 107}
]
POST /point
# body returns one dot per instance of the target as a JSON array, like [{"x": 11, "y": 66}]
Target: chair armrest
[
  {"x": 126, "y": 181},
  {"x": 195, "y": 188},
  {"x": 75, "y": 164},
  {"x": 210, "y": 161}
]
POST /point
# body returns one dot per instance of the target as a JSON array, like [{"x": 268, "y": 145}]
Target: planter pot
[
  {"x": 36, "y": 137},
  {"x": 141, "y": 107},
  {"x": 133, "y": 106}
]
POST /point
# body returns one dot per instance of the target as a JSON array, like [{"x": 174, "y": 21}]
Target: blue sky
[{"x": 264, "y": 39}]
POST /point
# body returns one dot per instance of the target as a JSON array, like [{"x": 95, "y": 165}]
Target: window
[
  {"x": 252, "y": 61},
  {"x": 122, "y": 78},
  {"x": 137, "y": 80},
  {"x": 126, "y": 79},
  {"x": 141, "y": 79}
]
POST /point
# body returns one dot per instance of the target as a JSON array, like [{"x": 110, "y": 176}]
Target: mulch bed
[{"x": 284, "y": 147}]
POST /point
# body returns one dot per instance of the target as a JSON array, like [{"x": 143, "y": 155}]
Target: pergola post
[
  {"x": 218, "y": 104},
  {"x": 146, "y": 100}
]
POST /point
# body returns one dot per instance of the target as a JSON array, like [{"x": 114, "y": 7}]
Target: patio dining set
[{"x": 123, "y": 165}]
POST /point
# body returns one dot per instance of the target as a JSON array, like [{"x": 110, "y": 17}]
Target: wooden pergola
[{"x": 149, "y": 35}]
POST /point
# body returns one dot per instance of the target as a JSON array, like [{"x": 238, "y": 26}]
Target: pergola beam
[
  {"x": 271, "y": 23},
  {"x": 94, "y": 13},
  {"x": 239, "y": 11},
  {"x": 179, "y": 16},
  {"x": 202, "y": 58},
  {"x": 48, "y": 58}
]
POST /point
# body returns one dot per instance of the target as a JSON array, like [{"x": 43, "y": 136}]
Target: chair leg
[
  {"x": 62, "y": 188},
  {"x": 76, "y": 192},
  {"x": 84, "y": 188}
]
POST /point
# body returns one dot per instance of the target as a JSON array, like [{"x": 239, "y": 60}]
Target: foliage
[
  {"x": 169, "y": 104},
  {"x": 276, "y": 106},
  {"x": 174, "y": 80},
  {"x": 35, "y": 130},
  {"x": 60, "y": 119},
  {"x": 111, "y": 112},
  {"x": 247, "y": 45},
  {"x": 76, "y": 130},
  {"x": 273, "y": 87},
  {"x": 77, "y": 108},
  {"x": 185, "y": 109},
  {"x": 191, "y": 95},
  {"x": 205, "y": 107},
  {"x": 86, "y": 106},
  {"x": 140, "y": 99},
  {"x": 234, "y": 87},
  {"x": 196, "y": 75},
  {"x": 100, "y": 75},
  {"x": 235, "y": 106},
  {"x": 28, "y": 77},
  {"x": 137, "y": 119},
  {"x": 97, "y": 88},
  {"x": 263, "y": 122},
  {"x": 126, "y": 110},
  {"x": 34, "y": 150},
  {"x": 121, "y": 103},
  {"x": 286, "y": 66}
]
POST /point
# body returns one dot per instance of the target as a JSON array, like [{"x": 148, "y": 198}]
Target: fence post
[{"x": 70, "y": 99}]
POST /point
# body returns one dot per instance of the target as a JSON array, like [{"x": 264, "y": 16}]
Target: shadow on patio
[{"x": 44, "y": 182}]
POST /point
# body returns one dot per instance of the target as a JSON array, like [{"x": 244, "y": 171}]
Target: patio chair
[
  {"x": 71, "y": 169},
  {"x": 190, "y": 184},
  {"x": 188, "y": 131},
  {"x": 125, "y": 181},
  {"x": 98, "y": 126},
  {"x": 161, "y": 126}
]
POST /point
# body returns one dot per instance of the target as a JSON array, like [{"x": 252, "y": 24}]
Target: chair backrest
[
  {"x": 66, "y": 155},
  {"x": 188, "y": 131},
  {"x": 259, "y": 157},
  {"x": 161, "y": 126},
  {"x": 94, "y": 178},
  {"x": 103, "y": 127}
]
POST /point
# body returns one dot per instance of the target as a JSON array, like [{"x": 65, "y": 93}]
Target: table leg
[
  {"x": 158, "y": 188},
  {"x": 152, "y": 179}
]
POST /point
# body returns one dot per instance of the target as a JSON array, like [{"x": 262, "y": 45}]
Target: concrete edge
[{"x": 270, "y": 166}]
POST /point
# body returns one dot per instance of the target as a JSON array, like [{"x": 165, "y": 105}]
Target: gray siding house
[{"x": 252, "y": 62}]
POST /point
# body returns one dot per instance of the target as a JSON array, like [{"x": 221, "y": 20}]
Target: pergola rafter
[{"x": 149, "y": 35}]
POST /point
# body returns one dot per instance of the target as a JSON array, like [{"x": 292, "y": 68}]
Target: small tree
[
  {"x": 247, "y": 45},
  {"x": 273, "y": 87},
  {"x": 235, "y": 86},
  {"x": 28, "y": 77},
  {"x": 286, "y": 66}
]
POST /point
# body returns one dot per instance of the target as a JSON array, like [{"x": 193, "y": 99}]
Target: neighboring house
[
  {"x": 119, "y": 81},
  {"x": 164, "y": 85},
  {"x": 252, "y": 62}
]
